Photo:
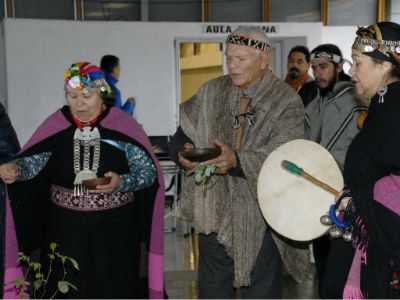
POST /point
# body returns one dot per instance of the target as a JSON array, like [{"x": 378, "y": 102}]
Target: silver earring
[{"x": 382, "y": 89}]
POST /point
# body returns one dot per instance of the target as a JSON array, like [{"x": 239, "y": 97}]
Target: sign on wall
[{"x": 218, "y": 28}]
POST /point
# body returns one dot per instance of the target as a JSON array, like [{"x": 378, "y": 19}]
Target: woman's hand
[
  {"x": 345, "y": 199},
  {"x": 187, "y": 164},
  {"x": 9, "y": 172},
  {"x": 226, "y": 160},
  {"x": 114, "y": 184}
]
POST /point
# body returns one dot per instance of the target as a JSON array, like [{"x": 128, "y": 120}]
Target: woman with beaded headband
[
  {"x": 369, "y": 266},
  {"x": 112, "y": 229}
]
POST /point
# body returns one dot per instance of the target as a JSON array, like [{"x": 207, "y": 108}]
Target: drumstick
[{"x": 293, "y": 168}]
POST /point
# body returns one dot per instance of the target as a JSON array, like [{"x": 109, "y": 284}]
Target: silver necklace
[{"x": 87, "y": 138}]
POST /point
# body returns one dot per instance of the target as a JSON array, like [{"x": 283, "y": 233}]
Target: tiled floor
[{"x": 181, "y": 258}]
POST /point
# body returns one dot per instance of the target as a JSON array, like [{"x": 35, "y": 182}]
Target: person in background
[
  {"x": 310, "y": 90},
  {"x": 369, "y": 266},
  {"x": 9, "y": 147},
  {"x": 297, "y": 67},
  {"x": 114, "y": 229},
  {"x": 331, "y": 119},
  {"x": 112, "y": 69},
  {"x": 248, "y": 114}
]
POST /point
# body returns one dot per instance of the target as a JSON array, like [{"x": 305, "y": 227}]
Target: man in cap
[
  {"x": 297, "y": 66},
  {"x": 331, "y": 118},
  {"x": 248, "y": 114}
]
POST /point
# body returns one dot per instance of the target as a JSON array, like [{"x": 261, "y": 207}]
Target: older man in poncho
[{"x": 247, "y": 113}]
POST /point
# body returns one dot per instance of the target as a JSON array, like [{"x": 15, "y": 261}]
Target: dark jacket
[
  {"x": 9, "y": 147},
  {"x": 308, "y": 92}
]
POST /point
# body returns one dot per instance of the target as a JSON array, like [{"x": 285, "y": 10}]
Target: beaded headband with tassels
[{"x": 246, "y": 41}]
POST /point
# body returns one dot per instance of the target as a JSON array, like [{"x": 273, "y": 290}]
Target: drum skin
[{"x": 290, "y": 204}]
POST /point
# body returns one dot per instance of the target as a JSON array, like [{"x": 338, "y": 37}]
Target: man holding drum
[{"x": 248, "y": 114}]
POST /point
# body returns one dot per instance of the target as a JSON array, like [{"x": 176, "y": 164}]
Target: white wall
[
  {"x": 393, "y": 11},
  {"x": 343, "y": 36},
  {"x": 39, "y": 51}
]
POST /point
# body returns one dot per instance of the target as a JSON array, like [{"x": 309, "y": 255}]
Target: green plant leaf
[
  {"x": 198, "y": 177},
  {"x": 37, "y": 266},
  {"x": 74, "y": 263},
  {"x": 62, "y": 257},
  {"x": 37, "y": 284},
  {"x": 24, "y": 258},
  {"x": 71, "y": 285},
  {"x": 53, "y": 246},
  {"x": 63, "y": 287},
  {"x": 17, "y": 282}
]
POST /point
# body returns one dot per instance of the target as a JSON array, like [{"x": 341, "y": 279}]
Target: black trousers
[
  {"x": 321, "y": 248},
  {"x": 216, "y": 273}
]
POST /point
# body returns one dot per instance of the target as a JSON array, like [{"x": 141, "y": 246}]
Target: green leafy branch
[
  {"x": 203, "y": 175},
  {"x": 40, "y": 280}
]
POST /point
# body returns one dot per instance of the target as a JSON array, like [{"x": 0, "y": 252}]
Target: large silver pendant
[{"x": 87, "y": 138}]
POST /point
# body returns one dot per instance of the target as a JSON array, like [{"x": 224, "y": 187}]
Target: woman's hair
[
  {"x": 395, "y": 72},
  {"x": 108, "y": 98},
  {"x": 109, "y": 62}
]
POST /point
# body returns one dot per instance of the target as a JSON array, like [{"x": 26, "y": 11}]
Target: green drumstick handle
[{"x": 293, "y": 168}]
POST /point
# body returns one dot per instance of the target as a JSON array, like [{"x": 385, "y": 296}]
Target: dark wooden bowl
[
  {"x": 92, "y": 183},
  {"x": 201, "y": 154}
]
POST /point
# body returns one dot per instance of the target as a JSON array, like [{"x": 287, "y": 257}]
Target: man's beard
[
  {"x": 329, "y": 88},
  {"x": 294, "y": 73}
]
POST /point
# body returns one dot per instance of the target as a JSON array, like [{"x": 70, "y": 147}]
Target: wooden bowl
[
  {"x": 201, "y": 154},
  {"x": 92, "y": 183}
]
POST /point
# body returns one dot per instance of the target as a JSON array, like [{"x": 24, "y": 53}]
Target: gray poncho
[{"x": 230, "y": 207}]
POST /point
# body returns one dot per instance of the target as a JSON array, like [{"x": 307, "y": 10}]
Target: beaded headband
[
  {"x": 249, "y": 42},
  {"x": 366, "y": 42},
  {"x": 84, "y": 76},
  {"x": 327, "y": 55}
]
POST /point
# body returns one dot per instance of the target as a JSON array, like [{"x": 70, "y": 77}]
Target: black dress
[
  {"x": 106, "y": 244},
  {"x": 373, "y": 154}
]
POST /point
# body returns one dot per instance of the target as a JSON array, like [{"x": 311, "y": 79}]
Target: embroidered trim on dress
[{"x": 93, "y": 202}]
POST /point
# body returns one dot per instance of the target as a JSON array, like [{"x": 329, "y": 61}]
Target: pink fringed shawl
[{"x": 387, "y": 193}]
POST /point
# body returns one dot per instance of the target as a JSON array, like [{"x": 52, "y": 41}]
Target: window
[
  {"x": 236, "y": 11},
  {"x": 352, "y": 12},
  {"x": 301, "y": 11},
  {"x": 111, "y": 10},
  {"x": 43, "y": 9},
  {"x": 175, "y": 10},
  {"x": 2, "y": 11}
]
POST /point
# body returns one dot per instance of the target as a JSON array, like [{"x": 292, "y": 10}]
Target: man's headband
[
  {"x": 327, "y": 55},
  {"x": 369, "y": 40},
  {"x": 245, "y": 41}
]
